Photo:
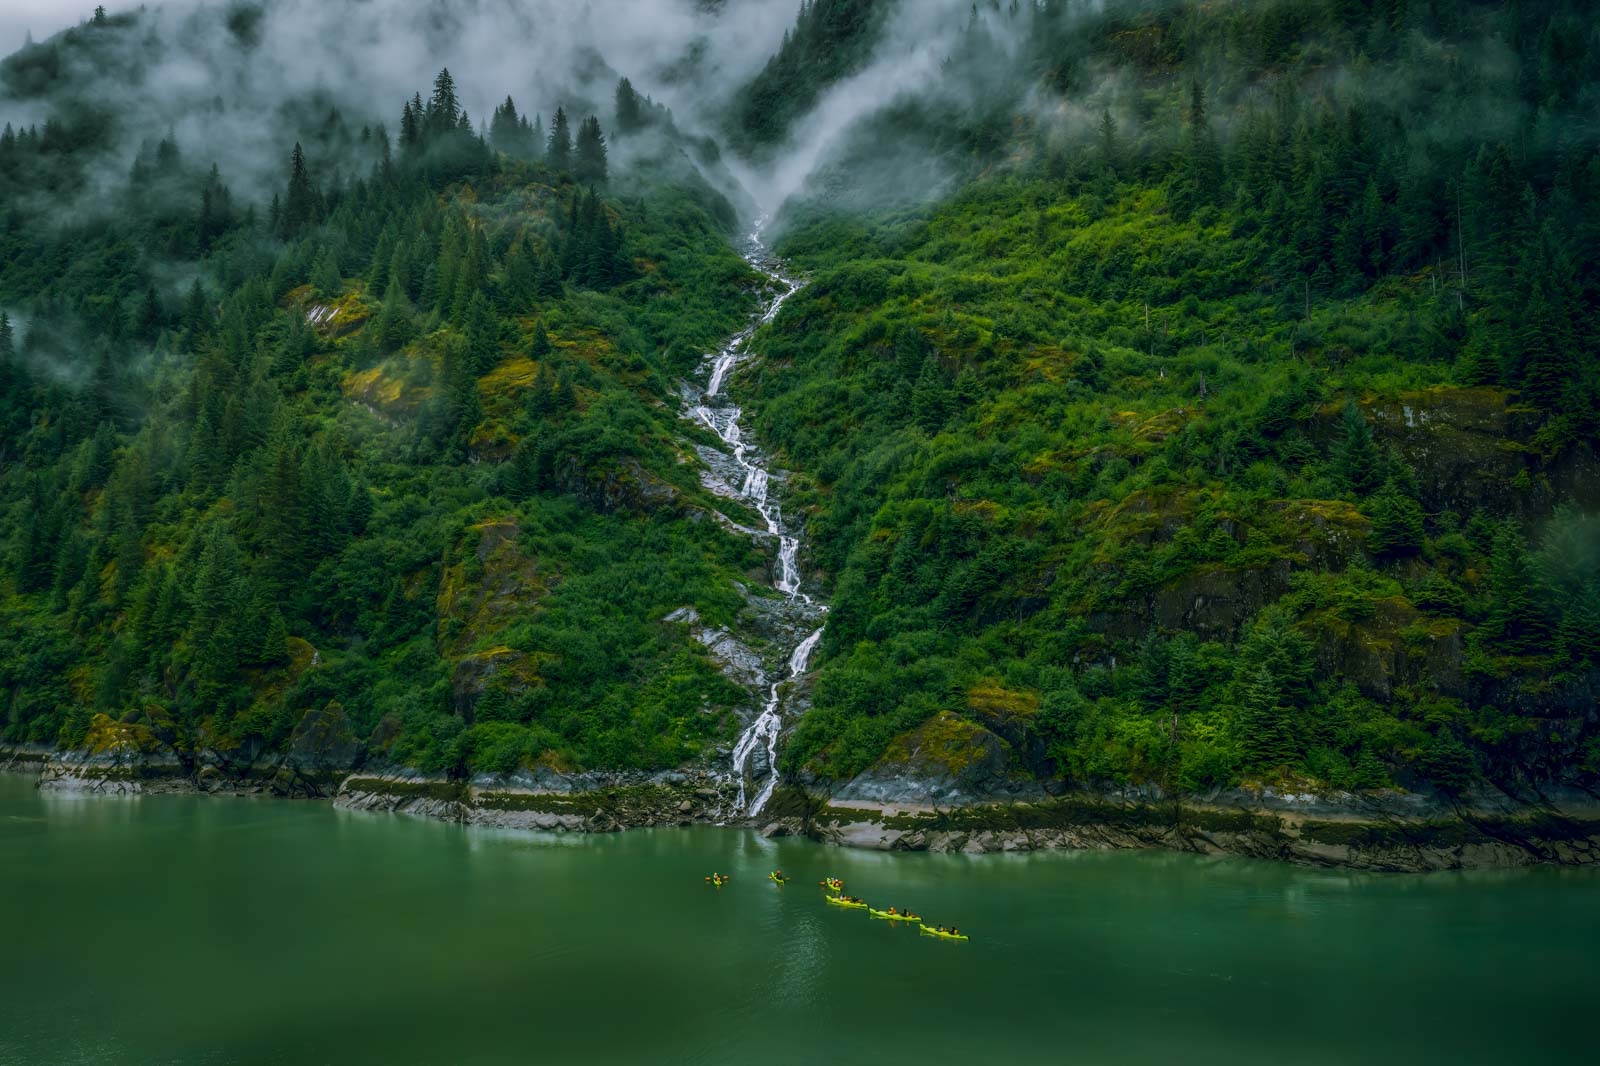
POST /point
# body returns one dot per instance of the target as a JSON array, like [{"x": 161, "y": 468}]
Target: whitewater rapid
[{"x": 754, "y": 488}]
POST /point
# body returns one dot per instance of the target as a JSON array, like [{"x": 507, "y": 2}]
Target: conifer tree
[
  {"x": 1396, "y": 523},
  {"x": 505, "y": 128},
  {"x": 590, "y": 166},
  {"x": 630, "y": 110},
  {"x": 559, "y": 151},
  {"x": 1517, "y": 622},
  {"x": 482, "y": 334},
  {"x": 444, "y": 110},
  {"x": 300, "y": 206},
  {"x": 325, "y": 275},
  {"x": 928, "y": 396},
  {"x": 1355, "y": 459}
]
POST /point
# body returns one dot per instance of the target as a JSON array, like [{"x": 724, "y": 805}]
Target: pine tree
[
  {"x": 325, "y": 275},
  {"x": 218, "y": 602},
  {"x": 630, "y": 110},
  {"x": 1396, "y": 523},
  {"x": 392, "y": 328},
  {"x": 547, "y": 278},
  {"x": 928, "y": 407},
  {"x": 1262, "y": 722},
  {"x": 1356, "y": 459},
  {"x": 482, "y": 335},
  {"x": 301, "y": 206},
  {"x": 539, "y": 347},
  {"x": 505, "y": 129},
  {"x": 1154, "y": 663},
  {"x": 590, "y": 167},
  {"x": 523, "y": 477},
  {"x": 444, "y": 110},
  {"x": 558, "y": 153},
  {"x": 1517, "y": 623},
  {"x": 1109, "y": 152},
  {"x": 274, "y": 649}
]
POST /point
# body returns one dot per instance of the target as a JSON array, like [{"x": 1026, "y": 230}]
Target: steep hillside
[
  {"x": 403, "y": 457},
  {"x": 1183, "y": 399},
  {"x": 1243, "y": 436}
]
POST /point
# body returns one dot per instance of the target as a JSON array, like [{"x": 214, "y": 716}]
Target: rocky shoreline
[{"x": 1391, "y": 832}]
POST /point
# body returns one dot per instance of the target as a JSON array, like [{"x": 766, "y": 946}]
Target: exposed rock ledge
[
  {"x": 543, "y": 800},
  {"x": 1396, "y": 832}
]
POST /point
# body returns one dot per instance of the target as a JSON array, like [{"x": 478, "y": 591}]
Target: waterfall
[{"x": 755, "y": 489}]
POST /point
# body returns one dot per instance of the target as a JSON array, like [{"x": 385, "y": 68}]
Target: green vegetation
[
  {"x": 1230, "y": 417},
  {"x": 404, "y": 442},
  {"x": 1200, "y": 459}
]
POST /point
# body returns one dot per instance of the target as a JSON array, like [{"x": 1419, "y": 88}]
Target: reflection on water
[{"x": 170, "y": 929}]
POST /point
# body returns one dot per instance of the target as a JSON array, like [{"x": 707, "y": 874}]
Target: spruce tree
[
  {"x": 559, "y": 151},
  {"x": 1517, "y": 623},
  {"x": 325, "y": 275},
  {"x": 444, "y": 110},
  {"x": 590, "y": 166},
  {"x": 630, "y": 110},
  {"x": 1396, "y": 523},
  {"x": 539, "y": 348},
  {"x": 928, "y": 396},
  {"x": 274, "y": 649},
  {"x": 482, "y": 334},
  {"x": 300, "y": 206},
  {"x": 1356, "y": 459},
  {"x": 505, "y": 128}
]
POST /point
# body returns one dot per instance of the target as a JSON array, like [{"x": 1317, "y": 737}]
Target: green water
[{"x": 202, "y": 930}]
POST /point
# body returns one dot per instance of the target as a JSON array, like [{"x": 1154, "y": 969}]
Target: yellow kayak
[
  {"x": 893, "y": 917},
  {"x": 775, "y": 879},
  {"x": 947, "y": 936},
  {"x": 837, "y": 902}
]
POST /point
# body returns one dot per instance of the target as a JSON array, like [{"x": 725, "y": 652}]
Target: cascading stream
[{"x": 755, "y": 489}]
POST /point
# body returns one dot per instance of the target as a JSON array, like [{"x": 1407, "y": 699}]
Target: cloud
[{"x": 219, "y": 74}]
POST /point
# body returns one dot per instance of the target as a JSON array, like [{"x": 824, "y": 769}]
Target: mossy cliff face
[
  {"x": 488, "y": 581},
  {"x": 1478, "y": 447}
]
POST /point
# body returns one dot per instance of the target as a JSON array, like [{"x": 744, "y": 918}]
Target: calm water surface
[{"x": 171, "y": 929}]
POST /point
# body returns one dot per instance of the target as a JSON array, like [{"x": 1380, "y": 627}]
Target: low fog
[{"x": 218, "y": 75}]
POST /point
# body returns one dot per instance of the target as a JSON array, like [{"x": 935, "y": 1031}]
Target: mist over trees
[{"x": 1186, "y": 394}]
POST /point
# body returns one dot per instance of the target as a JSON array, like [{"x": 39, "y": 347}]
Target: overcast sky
[{"x": 43, "y": 17}]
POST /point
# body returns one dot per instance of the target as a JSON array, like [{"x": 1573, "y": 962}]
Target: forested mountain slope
[
  {"x": 1238, "y": 425},
  {"x": 1184, "y": 396},
  {"x": 404, "y": 446}
]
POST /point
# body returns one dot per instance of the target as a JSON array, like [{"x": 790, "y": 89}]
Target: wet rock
[
  {"x": 324, "y": 741},
  {"x": 947, "y": 760}
]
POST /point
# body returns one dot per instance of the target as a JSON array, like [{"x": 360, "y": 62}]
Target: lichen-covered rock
[
  {"x": 1395, "y": 646},
  {"x": 946, "y": 760},
  {"x": 1474, "y": 447},
  {"x": 324, "y": 741}
]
